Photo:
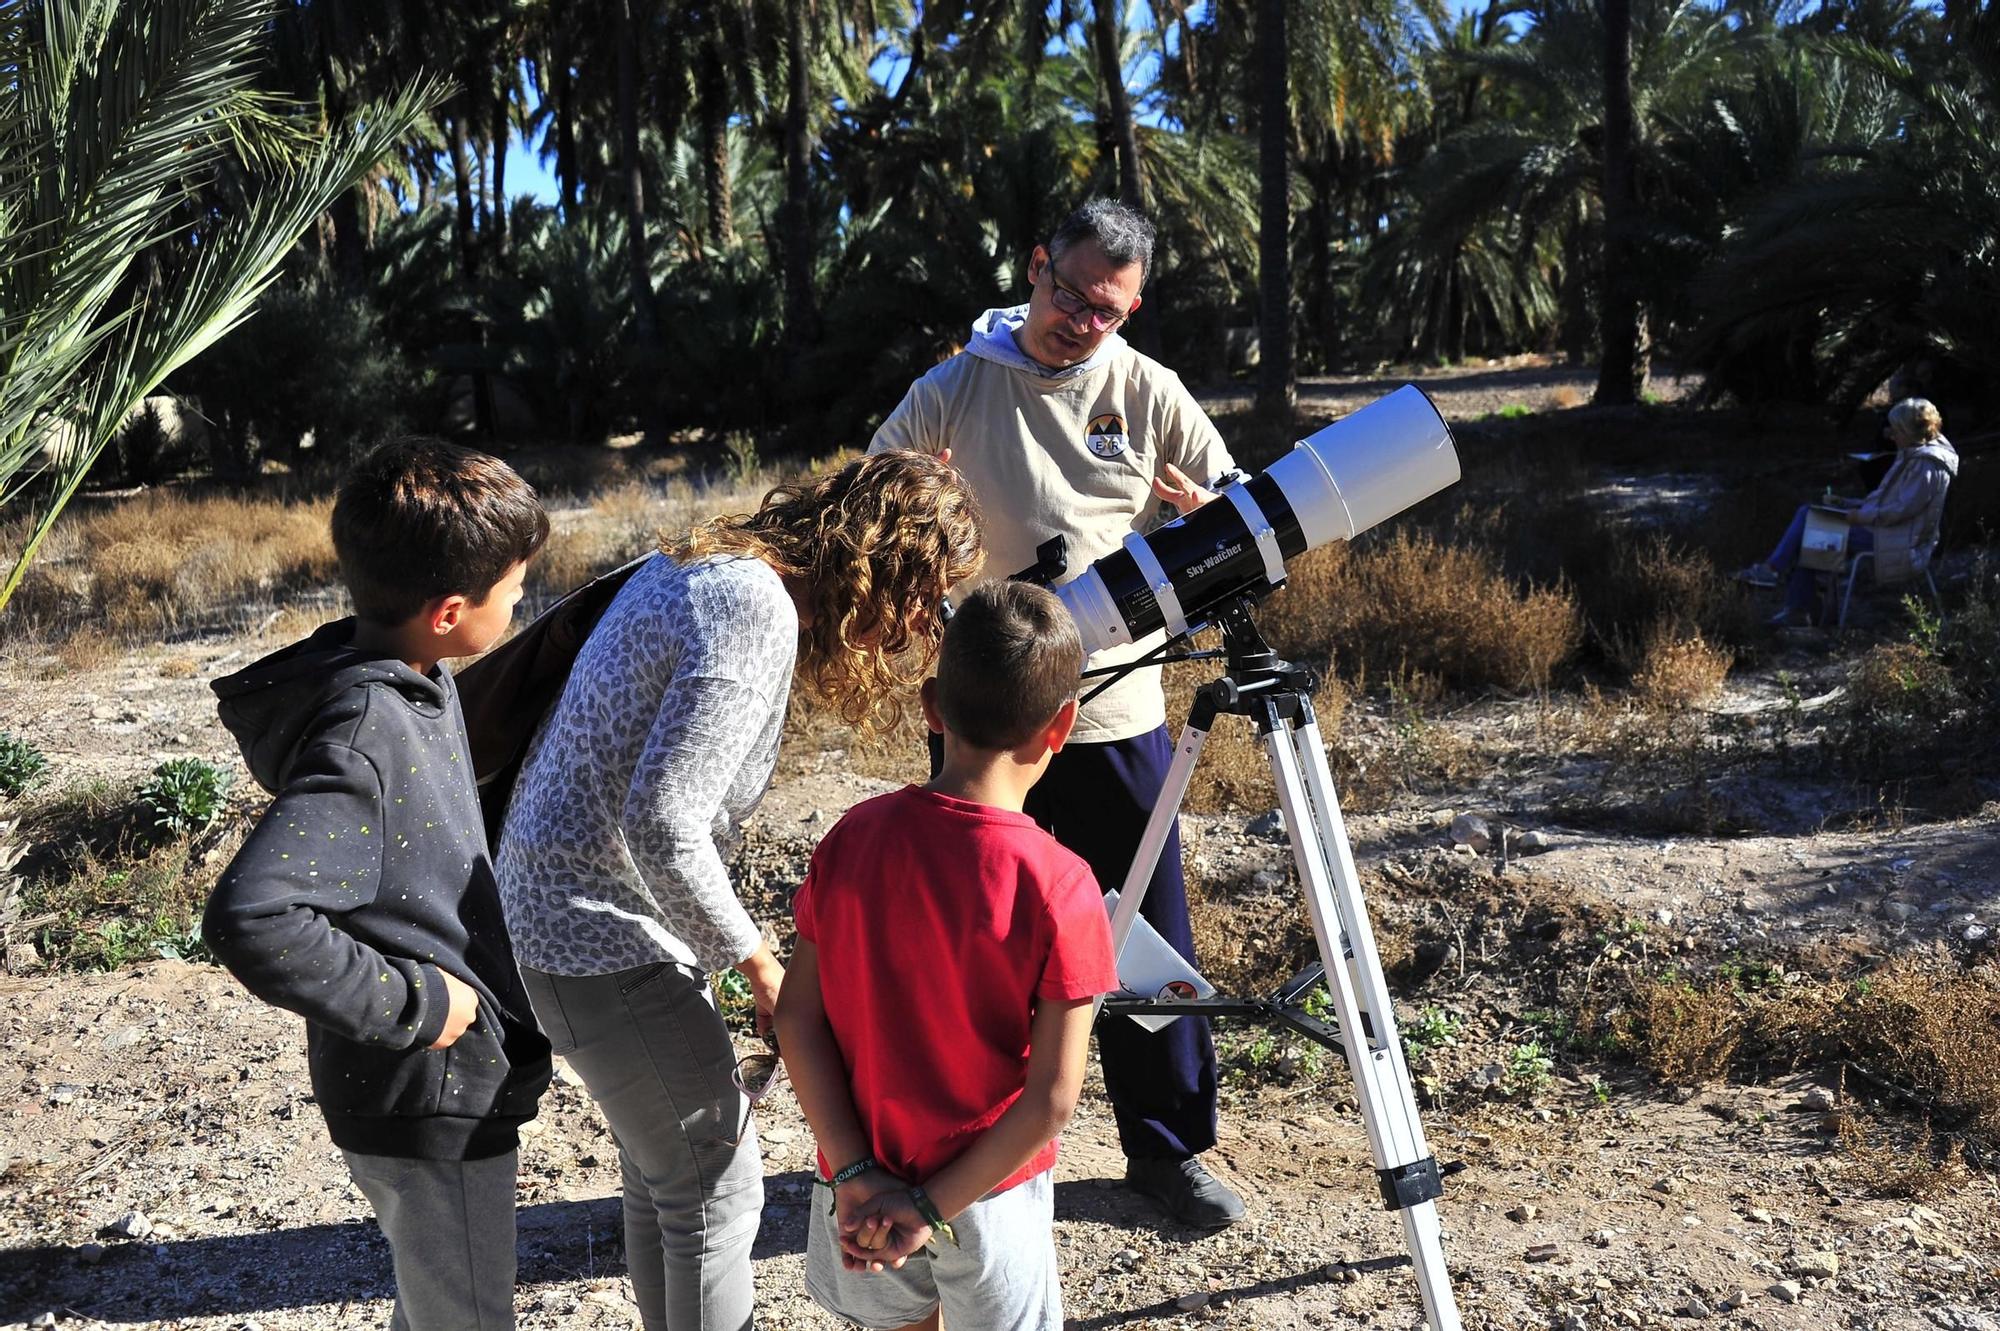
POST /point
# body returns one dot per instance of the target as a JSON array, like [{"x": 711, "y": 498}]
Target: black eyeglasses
[{"x": 1071, "y": 302}]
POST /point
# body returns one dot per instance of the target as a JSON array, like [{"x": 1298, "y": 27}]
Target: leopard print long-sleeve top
[{"x": 612, "y": 855}]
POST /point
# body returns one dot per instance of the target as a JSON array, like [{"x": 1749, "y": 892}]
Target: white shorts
[{"x": 1001, "y": 1277}]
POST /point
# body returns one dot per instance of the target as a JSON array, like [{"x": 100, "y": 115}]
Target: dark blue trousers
[{"x": 1095, "y": 799}]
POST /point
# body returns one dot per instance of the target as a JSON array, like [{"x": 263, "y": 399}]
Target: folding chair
[{"x": 1854, "y": 563}]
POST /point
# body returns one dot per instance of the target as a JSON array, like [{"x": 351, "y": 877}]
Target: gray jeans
[
  {"x": 656, "y": 1057},
  {"x": 450, "y": 1226}
]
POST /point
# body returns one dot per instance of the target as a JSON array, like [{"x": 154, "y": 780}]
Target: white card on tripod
[{"x": 1149, "y": 965}]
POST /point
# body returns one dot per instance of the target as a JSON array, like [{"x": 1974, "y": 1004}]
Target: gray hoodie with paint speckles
[{"x": 368, "y": 873}]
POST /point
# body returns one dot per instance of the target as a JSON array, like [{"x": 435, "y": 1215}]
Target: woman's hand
[{"x": 766, "y": 977}]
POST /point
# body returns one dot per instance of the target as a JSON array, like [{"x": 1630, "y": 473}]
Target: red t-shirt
[{"x": 938, "y": 924}]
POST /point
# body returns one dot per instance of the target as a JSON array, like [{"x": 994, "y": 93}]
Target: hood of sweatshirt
[
  {"x": 993, "y": 339},
  {"x": 1940, "y": 451},
  {"x": 269, "y": 706}
]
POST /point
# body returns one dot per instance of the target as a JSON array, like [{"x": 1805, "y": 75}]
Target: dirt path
[{"x": 163, "y": 1090}]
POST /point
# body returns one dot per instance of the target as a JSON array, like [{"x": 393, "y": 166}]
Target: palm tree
[
  {"x": 826, "y": 48},
  {"x": 1885, "y": 247},
  {"x": 1540, "y": 172},
  {"x": 115, "y": 113},
  {"x": 1324, "y": 73},
  {"x": 1624, "y": 361},
  {"x": 1277, "y": 390},
  {"x": 1107, "y": 42}
]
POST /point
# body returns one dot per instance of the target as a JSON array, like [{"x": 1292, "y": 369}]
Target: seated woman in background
[{"x": 1898, "y": 520}]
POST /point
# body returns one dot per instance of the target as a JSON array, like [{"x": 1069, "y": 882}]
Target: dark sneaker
[
  {"x": 1189, "y": 1192},
  {"x": 1758, "y": 575}
]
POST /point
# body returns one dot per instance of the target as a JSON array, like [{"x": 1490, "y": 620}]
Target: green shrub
[
  {"x": 1529, "y": 1069},
  {"x": 185, "y": 795},
  {"x": 21, "y": 764}
]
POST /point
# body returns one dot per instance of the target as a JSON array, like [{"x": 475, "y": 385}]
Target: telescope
[
  {"x": 1209, "y": 568},
  {"x": 1351, "y": 475}
]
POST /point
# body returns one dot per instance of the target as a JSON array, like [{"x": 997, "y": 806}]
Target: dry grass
[
  {"x": 1919, "y": 1028},
  {"x": 87, "y": 648},
  {"x": 150, "y": 566},
  {"x": 145, "y": 568},
  {"x": 1686, "y": 1034},
  {"x": 1925, "y": 1024},
  {"x": 1413, "y": 607},
  {"x": 1564, "y": 396},
  {"x": 1248, "y": 948},
  {"x": 1235, "y": 773},
  {"x": 1656, "y": 591},
  {"x": 1679, "y": 672},
  {"x": 1891, "y": 1161},
  {"x": 101, "y": 888},
  {"x": 158, "y": 562},
  {"x": 619, "y": 525},
  {"x": 1901, "y": 679}
]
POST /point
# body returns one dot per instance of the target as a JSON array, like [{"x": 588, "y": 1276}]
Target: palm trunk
[
  {"x": 349, "y": 256},
  {"x": 1111, "y": 73},
  {"x": 714, "y": 99},
  {"x": 461, "y": 177},
  {"x": 1621, "y": 371},
  {"x": 468, "y": 259},
  {"x": 1276, "y": 390},
  {"x": 794, "y": 220},
  {"x": 645, "y": 319},
  {"x": 501, "y": 133},
  {"x": 565, "y": 114},
  {"x": 1321, "y": 303}
]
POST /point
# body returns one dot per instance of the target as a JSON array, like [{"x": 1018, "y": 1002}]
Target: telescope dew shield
[
  {"x": 1343, "y": 480},
  {"x": 1368, "y": 467}
]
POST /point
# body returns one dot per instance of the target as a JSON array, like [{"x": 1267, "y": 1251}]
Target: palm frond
[{"x": 126, "y": 109}]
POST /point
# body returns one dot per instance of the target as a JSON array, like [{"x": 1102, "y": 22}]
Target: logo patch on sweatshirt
[{"x": 1105, "y": 436}]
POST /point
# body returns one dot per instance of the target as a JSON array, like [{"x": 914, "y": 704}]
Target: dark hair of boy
[
  {"x": 419, "y": 518},
  {"x": 1011, "y": 659}
]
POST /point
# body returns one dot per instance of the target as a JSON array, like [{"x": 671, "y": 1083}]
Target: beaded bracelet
[
  {"x": 932, "y": 1216},
  {"x": 854, "y": 1171}
]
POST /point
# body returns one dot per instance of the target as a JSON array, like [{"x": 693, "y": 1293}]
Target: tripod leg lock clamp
[{"x": 1410, "y": 1185}]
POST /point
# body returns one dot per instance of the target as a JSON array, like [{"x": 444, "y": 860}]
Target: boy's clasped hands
[{"x": 878, "y": 1220}]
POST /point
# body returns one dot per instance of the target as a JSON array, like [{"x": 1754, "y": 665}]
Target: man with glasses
[{"x": 1061, "y": 428}]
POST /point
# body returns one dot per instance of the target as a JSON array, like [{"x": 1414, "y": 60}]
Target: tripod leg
[
  {"x": 1404, "y": 1167},
  {"x": 1159, "y": 825}
]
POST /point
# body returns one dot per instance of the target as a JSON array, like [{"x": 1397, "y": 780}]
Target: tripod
[{"x": 1277, "y": 696}]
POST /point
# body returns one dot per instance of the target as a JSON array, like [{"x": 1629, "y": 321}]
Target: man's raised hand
[{"x": 1180, "y": 490}]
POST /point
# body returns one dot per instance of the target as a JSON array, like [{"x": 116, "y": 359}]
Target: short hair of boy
[
  {"x": 1011, "y": 658},
  {"x": 419, "y": 518}
]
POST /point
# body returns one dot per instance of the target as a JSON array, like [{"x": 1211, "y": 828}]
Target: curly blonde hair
[{"x": 878, "y": 541}]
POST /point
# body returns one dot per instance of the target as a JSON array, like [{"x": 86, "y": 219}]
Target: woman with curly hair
[{"x": 612, "y": 858}]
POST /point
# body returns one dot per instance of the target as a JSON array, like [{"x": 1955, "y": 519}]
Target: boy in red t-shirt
[{"x": 936, "y": 1014}]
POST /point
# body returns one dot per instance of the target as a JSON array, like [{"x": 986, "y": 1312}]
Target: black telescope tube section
[{"x": 1209, "y": 556}]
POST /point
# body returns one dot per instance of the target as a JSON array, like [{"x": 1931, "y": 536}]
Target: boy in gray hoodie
[{"x": 364, "y": 899}]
